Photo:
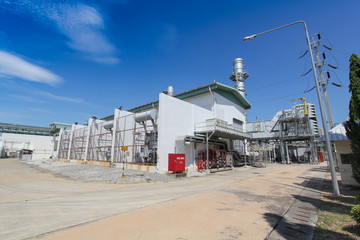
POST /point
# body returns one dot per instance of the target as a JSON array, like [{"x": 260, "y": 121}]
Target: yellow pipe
[
  {"x": 302, "y": 98},
  {"x": 306, "y": 110}
]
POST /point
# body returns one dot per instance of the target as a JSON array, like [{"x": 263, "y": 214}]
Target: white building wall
[
  {"x": 177, "y": 119},
  {"x": 227, "y": 110},
  {"x": 343, "y": 147},
  {"x": 40, "y": 145},
  {"x": 204, "y": 100},
  {"x": 222, "y": 108}
]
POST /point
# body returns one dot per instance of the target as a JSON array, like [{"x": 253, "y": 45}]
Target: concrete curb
[{"x": 299, "y": 222}]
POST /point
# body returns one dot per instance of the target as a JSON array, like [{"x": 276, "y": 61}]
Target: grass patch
[{"x": 334, "y": 219}]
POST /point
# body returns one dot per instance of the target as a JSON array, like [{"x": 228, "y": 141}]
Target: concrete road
[{"x": 228, "y": 205}]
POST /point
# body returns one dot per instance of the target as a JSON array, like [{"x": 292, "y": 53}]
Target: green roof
[
  {"x": 55, "y": 127},
  {"x": 24, "y": 129},
  {"x": 227, "y": 92}
]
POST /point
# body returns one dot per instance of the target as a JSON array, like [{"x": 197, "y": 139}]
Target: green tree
[
  {"x": 352, "y": 126},
  {"x": 354, "y": 87}
]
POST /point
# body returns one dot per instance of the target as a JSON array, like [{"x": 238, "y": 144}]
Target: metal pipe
[
  {"x": 214, "y": 103},
  {"x": 321, "y": 105},
  {"x": 207, "y": 151},
  {"x": 245, "y": 151},
  {"x": 144, "y": 116},
  {"x": 170, "y": 91},
  {"x": 108, "y": 125},
  {"x": 238, "y": 65}
]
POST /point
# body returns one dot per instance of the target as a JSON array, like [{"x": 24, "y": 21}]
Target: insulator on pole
[
  {"x": 328, "y": 48},
  {"x": 304, "y": 54},
  {"x": 336, "y": 84},
  {"x": 332, "y": 66},
  {"x": 304, "y": 74},
  {"x": 309, "y": 89},
  {"x": 324, "y": 57},
  {"x": 319, "y": 37},
  {"x": 328, "y": 74}
]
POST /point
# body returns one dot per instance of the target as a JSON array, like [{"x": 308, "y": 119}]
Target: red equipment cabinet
[{"x": 176, "y": 162}]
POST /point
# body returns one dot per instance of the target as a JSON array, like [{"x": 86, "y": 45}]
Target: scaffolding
[
  {"x": 138, "y": 137},
  {"x": 129, "y": 138},
  {"x": 64, "y": 144},
  {"x": 78, "y": 143},
  {"x": 100, "y": 138}
]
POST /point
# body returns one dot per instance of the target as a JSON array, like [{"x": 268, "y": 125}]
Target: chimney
[
  {"x": 170, "y": 91},
  {"x": 239, "y": 76}
]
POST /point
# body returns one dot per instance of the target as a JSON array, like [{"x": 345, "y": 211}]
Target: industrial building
[
  {"x": 208, "y": 126},
  {"x": 37, "y": 142}
]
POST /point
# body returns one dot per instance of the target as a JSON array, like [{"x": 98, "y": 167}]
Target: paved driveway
[{"x": 228, "y": 205}]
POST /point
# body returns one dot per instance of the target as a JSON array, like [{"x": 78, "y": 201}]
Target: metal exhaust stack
[
  {"x": 239, "y": 76},
  {"x": 170, "y": 91}
]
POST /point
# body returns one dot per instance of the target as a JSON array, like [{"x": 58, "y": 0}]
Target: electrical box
[
  {"x": 176, "y": 162},
  {"x": 25, "y": 154}
]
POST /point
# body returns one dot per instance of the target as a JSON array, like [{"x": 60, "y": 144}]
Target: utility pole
[
  {"x": 319, "y": 63},
  {"x": 321, "y": 105}
]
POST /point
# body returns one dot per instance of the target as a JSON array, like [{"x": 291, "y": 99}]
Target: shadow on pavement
[
  {"x": 289, "y": 230},
  {"x": 334, "y": 213}
]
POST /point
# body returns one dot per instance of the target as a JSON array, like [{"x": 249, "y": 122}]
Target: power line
[
  {"x": 332, "y": 47},
  {"x": 275, "y": 69},
  {"x": 343, "y": 69},
  {"x": 338, "y": 77},
  {"x": 281, "y": 97},
  {"x": 274, "y": 84}
]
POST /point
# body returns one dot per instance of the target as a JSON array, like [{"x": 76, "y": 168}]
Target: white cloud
[
  {"x": 56, "y": 97},
  {"x": 26, "y": 98},
  {"x": 13, "y": 66},
  {"x": 82, "y": 24},
  {"x": 14, "y": 86},
  {"x": 41, "y": 110}
]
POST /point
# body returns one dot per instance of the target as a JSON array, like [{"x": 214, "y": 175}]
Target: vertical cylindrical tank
[
  {"x": 170, "y": 90},
  {"x": 240, "y": 76}
]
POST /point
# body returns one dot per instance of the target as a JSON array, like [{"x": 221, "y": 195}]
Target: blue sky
[{"x": 65, "y": 61}]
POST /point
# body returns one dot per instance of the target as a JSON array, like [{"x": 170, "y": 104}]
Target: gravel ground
[{"x": 93, "y": 173}]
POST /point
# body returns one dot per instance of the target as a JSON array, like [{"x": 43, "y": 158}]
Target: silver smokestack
[
  {"x": 239, "y": 76},
  {"x": 170, "y": 90}
]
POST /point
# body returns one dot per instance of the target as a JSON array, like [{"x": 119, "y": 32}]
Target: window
[
  {"x": 237, "y": 122},
  {"x": 345, "y": 158}
]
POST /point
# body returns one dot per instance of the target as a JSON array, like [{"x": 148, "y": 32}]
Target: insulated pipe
[
  {"x": 108, "y": 125},
  {"x": 144, "y": 116}
]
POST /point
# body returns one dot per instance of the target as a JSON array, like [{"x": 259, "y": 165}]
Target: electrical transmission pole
[{"x": 319, "y": 64}]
